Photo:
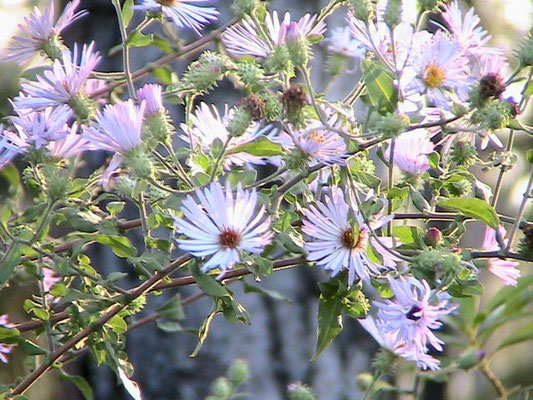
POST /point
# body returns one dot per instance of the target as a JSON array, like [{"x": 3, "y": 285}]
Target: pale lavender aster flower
[
  {"x": 49, "y": 279},
  {"x": 69, "y": 145},
  {"x": 38, "y": 30},
  {"x": 466, "y": 31},
  {"x": 11, "y": 145},
  {"x": 411, "y": 151},
  {"x": 5, "y": 348},
  {"x": 41, "y": 127},
  {"x": 243, "y": 39},
  {"x": 389, "y": 341},
  {"x": 151, "y": 94},
  {"x": 339, "y": 237},
  {"x": 118, "y": 129},
  {"x": 341, "y": 42},
  {"x": 223, "y": 225},
  {"x": 415, "y": 311},
  {"x": 504, "y": 269},
  {"x": 441, "y": 71},
  {"x": 191, "y": 14},
  {"x": 208, "y": 126},
  {"x": 63, "y": 84}
]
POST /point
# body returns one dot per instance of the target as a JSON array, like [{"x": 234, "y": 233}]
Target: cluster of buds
[{"x": 204, "y": 73}]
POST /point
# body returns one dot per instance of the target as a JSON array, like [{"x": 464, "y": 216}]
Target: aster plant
[{"x": 389, "y": 193}]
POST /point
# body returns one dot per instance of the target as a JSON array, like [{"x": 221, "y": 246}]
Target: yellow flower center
[
  {"x": 434, "y": 76},
  {"x": 317, "y": 137},
  {"x": 168, "y": 3},
  {"x": 349, "y": 240}
]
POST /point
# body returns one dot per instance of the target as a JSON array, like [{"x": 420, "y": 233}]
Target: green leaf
[
  {"x": 169, "y": 326},
  {"x": 407, "y": 234},
  {"x": 163, "y": 75},
  {"x": 269, "y": 293},
  {"x": 245, "y": 177},
  {"x": 137, "y": 39},
  {"x": 8, "y": 262},
  {"x": 127, "y": 12},
  {"x": 172, "y": 309},
  {"x": 474, "y": 208},
  {"x": 520, "y": 335},
  {"x": 204, "y": 330},
  {"x": 30, "y": 348},
  {"x": 120, "y": 245},
  {"x": 9, "y": 335},
  {"x": 380, "y": 86},
  {"x": 261, "y": 266},
  {"x": 329, "y": 322},
  {"x": 208, "y": 284},
  {"x": 118, "y": 324},
  {"x": 367, "y": 179},
  {"x": 114, "y": 207},
  {"x": 261, "y": 147},
  {"x": 80, "y": 383}
]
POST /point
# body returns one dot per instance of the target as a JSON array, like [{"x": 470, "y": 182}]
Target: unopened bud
[
  {"x": 240, "y": 122},
  {"x": 241, "y": 7},
  {"x": 459, "y": 188},
  {"x": 204, "y": 73},
  {"x": 393, "y": 13},
  {"x": 433, "y": 237},
  {"x": 429, "y": 5},
  {"x": 299, "y": 391},
  {"x": 139, "y": 162},
  {"x": 463, "y": 153},
  {"x": 221, "y": 388},
  {"x": 251, "y": 74},
  {"x": 58, "y": 182},
  {"x": 273, "y": 106},
  {"x": 525, "y": 53},
  {"x": 493, "y": 116},
  {"x": 238, "y": 372},
  {"x": 279, "y": 59},
  {"x": 471, "y": 358},
  {"x": 392, "y": 124},
  {"x": 84, "y": 107},
  {"x": 296, "y": 44},
  {"x": 384, "y": 361},
  {"x": 363, "y": 9},
  {"x": 53, "y": 48},
  {"x": 125, "y": 185}
]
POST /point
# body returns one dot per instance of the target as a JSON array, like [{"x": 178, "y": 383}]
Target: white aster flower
[
  {"x": 339, "y": 237},
  {"x": 441, "y": 72},
  {"x": 64, "y": 84},
  {"x": 223, "y": 225},
  {"x": 341, "y": 42},
  {"x": 504, "y": 269},
  {"x": 11, "y": 145},
  {"x": 192, "y": 14},
  {"x": 39, "y": 32},
  {"x": 69, "y": 145},
  {"x": 411, "y": 151},
  {"x": 244, "y": 39},
  {"x": 414, "y": 313}
]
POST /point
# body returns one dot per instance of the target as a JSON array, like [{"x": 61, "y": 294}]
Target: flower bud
[
  {"x": 58, "y": 182},
  {"x": 429, "y": 5},
  {"x": 84, "y": 107},
  {"x": 279, "y": 59},
  {"x": 363, "y": 9},
  {"x": 526, "y": 243},
  {"x": 471, "y": 358},
  {"x": 459, "y": 188},
  {"x": 294, "y": 99},
  {"x": 493, "y": 116},
  {"x": 443, "y": 265},
  {"x": 241, "y": 7},
  {"x": 139, "y": 163},
  {"x": 125, "y": 185},
  {"x": 250, "y": 73},
  {"x": 384, "y": 362},
  {"x": 221, "y": 388},
  {"x": 53, "y": 48},
  {"x": 240, "y": 122},
  {"x": 463, "y": 153},
  {"x": 392, "y": 124},
  {"x": 393, "y": 13},
  {"x": 159, "y": 127},
  {"x": 238, "y": 372},
  {"x": 296, "y": 159},
  {"x": 204, "y": 73},
  {"x": 433, "y": 237},
  {"x": 299, "y": 391},
  {"x": 364, "y": 381},
  {"x": 273, "y": 106},
  {"x": 296, "y": 44}
]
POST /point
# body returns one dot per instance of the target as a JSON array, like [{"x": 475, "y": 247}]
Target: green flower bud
[
  {"x": 529, "y": 156},
  {"x": 139, "y": 163},
  {"x": 221, "y": 388},
  {"x": 273, "y": 106},
  {"x": 204, "y": 73},
  {"x": 384, "y": 362},
  {"x": 433, "y": 237},
  {"x": 336, "y": 64},
  {"x": 459, "y": 188},
  {"x": 53, "y": 48},
  {"x": 441, "y": 264},
  {"x": 297, "y": 45},
  {"x": 393, "y": 13},
  {"x": 241, "y": 7},
  {"x": 364, "y": 381},
  {"x": 525, "y": 53},
  {"x": 125, "y": 185},
  {"x": 238, "y": 372},
  {"x": 362, "y": 163},
  {"x": 363, "y": 9},
  {"x": 159, "y": 127},
  {"x": 155, "y": 194},
  {"x": 493, "y": 116},
  {"x": 429, "y": 5},
  {"x": 58, "y": 182},
  {"x": 242, "y": 118},
  {"x": 463, "y": 153},
  {"x": 299, "y": 391},
  {"x": 279, "y": 60},
  {"x": 471, "y": 358},
  {"x": 250, "y": 73},
  {"x": 294, "y": 99},
  {"x": 296, "y": 160},
  {"x": 526, "y": 243},
  {"x": 392, "y": 124},
  {"x": 83, "y": 106}
]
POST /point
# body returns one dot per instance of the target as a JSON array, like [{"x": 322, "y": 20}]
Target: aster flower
[
  {"x": 64, "y": 84},
  {"x": 69, "y": 145},
  {"x": 208, "y": 125},
  {"x": 223, "y": 225},
  {"x": 339, "y": 237},
  {"x": 117, "y": 129},
  {"x": 414, "y": 313},
  {"x": 441, "y": 71},
  {"x": 39, "y": 33},
  {"x": 184, "y": 13},
  {"x": 411, "y": 152},
  {"x": 504, "y": 269},
  {"x": 11, "y": 144},
  {"x": 466, "y": 31},
  {"x": 389, "y": 341},
  {"x": 41, "y": 127},
  {"x": 5, "y": 348},
  {"x": 341, "y": 42},
  {"x": 317, "y": 143},
  {"x": 151, "y": 94},
  {"x": 243, "y": 39}
]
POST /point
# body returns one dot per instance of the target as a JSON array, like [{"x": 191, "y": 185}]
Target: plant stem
[
  {"x": 496, "y": 382},
  {"x": 219, "y": 159},
  {"x": 521, "y": 211},
  {"x": 125, "y": 50}
]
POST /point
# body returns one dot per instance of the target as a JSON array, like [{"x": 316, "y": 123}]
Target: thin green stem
[
  {"x": 521, "y": 211},
  {"x": 125, "y": 50},
  {"x": 219, "y": 159}
]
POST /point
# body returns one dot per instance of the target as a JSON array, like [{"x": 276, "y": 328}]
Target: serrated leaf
[
  {"x": 474, "y": 208},
  {"x": 261, "y": 147}
]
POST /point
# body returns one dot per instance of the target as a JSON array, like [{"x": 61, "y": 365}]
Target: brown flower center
[
  {"x": 229, "y": 238},
  {"x": 348, "y": 239},
  {"x": 434, "y": 76},
  {"x": 168, "y": 3}
]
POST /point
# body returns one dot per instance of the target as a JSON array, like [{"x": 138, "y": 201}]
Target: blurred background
[{"x": 281, "y": 338}]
